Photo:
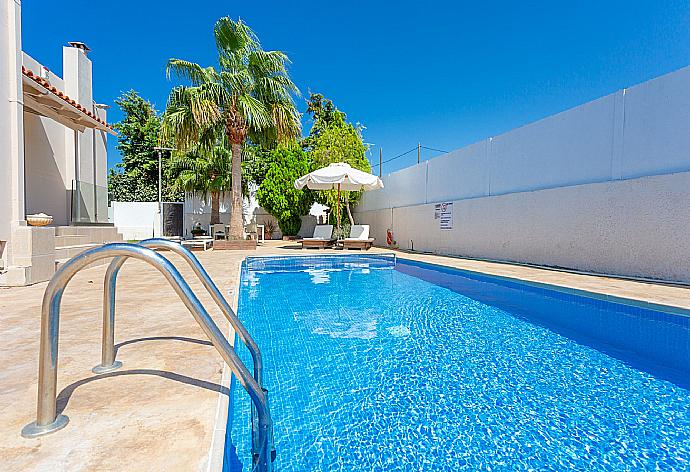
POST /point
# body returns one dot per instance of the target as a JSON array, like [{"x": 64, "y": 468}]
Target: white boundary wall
[
  {"x": 141, "y": 220},
  {"x": 603, "y": 187},
  {"x": 135, "y": 220},
  {"x": 198, "y": 210}
]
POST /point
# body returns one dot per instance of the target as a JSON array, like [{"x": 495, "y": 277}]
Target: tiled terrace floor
[{"x": 158, "y": 411}]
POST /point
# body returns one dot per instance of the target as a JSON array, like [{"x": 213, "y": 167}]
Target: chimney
[{"x": 79, "y": 45}]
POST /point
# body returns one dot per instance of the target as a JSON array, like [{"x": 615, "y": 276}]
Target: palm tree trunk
[
  {"x": 215, "y": 208},
  {"x": 236, "y": 217}
]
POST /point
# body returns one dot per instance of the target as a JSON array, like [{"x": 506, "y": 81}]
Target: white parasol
[{"x": 339, "y": 176}]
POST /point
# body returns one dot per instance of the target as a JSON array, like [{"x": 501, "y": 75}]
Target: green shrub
[
  {"x": 277, "y": 193},
  {"x": 291, "y": 226}
]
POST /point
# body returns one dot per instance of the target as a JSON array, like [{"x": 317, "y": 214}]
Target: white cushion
[
  {"x": 359, "y": 232},
  {"x": 322, "y": 232}
]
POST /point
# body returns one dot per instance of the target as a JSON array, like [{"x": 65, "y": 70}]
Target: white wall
[
  {"x": 635, "y": 227},
  {"x": 45, "y": 168},
  {"x": 11, "y": 128},
  {"x": 197, "y": 210},
  {"x": 643, "y": 130},
  {"x": 135, "y": 220},
  {"x": 261, "y": 216},
  {"x": 601, "y": 187}
]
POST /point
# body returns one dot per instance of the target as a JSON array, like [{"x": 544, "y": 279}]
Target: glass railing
[{"x": 89, "y": 203}]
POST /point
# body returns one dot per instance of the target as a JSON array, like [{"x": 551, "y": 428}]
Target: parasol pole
[{"x": 338, "y": 207}]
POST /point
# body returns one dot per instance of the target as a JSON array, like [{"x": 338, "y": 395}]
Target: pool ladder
[{"x": 47, "y": 419}]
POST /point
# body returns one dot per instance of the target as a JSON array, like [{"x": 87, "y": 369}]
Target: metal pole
[
  {"x": 108, "y": 362},
  {"x": 160, "y": 186},
  {"x": 380, "y": 162},
  {"x": 337, "y": 208},
  {"x": 419, "y": 152},
  {"x": 47, "y": 420}
]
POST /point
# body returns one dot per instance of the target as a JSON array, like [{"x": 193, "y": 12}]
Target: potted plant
[
  {"x": 197, "y": 230},
  {"x": 342, "y": 232}
]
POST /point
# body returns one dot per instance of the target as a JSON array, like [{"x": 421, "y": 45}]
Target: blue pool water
[{"x": 373, "y": 365}]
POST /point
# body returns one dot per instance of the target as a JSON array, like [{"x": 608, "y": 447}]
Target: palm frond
[
  {"x": 234, "y": 39},
  {"x": 263, "y": 63},
  {"x": 202, "y": 170},
  {"x": 254, "y": 111},
  {"x": 287, "y": 121},
  {"x": 251, "y": 93},
  {"x": 190, "y": 71}
]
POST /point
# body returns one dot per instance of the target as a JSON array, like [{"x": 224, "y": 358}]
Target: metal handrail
[
  {"x": 47, "y": 419},
  {"x": 108, "y": 362}
]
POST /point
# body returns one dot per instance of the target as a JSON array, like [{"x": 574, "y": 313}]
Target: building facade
[{"x": 53, "y": 157}]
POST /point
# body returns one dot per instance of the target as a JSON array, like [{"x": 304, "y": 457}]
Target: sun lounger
[
  {"x": 322, "y": 238},
  {"x": 198, "y": 244},
  {"x": 359, "y": 238}
]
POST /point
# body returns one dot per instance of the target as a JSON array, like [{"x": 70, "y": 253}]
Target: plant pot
[{"x": 40, "y": 219}]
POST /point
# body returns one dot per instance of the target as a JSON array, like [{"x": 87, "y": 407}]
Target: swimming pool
[{"x": 378, "y": 364}]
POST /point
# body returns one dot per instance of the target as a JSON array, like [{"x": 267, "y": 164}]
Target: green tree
[
  {"x": 323, "y": 113},
  {"x": 136, "y": 177},
  {"x": 129, "y": 187},
  {"x": 333, "y": 139},
  {"x": 256, "y": 161},
  {"x": 206, "y": 172},
  {"x": 277, "y": 193},
  {"x": 248, "y": 96}
]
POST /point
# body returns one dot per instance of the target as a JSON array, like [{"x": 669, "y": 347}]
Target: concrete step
[
  {"x": 93, "y": 233},
  {"x": 73, "y": 235},
  {"x": 71, "y": 240},
  {"x": 72, "y": 230},
  {"x": 67, "y": 252}
]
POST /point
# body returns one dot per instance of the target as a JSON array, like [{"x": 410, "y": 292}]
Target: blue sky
[{"x": 443, "y": 73}]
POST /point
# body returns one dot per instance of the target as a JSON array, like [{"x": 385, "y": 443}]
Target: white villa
[{"x": 53, "y": 139}]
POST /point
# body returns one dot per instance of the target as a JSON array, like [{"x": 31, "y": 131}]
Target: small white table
[{"x": 200, "y": 243}]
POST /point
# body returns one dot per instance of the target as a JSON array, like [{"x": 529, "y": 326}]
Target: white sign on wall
[{"x": 443, "y": 212}]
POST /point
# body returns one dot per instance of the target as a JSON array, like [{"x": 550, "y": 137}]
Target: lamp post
[{"x": 160, "y": 183}]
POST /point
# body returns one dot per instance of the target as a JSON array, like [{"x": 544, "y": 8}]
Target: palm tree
[
  {"x": 205, "y": 171},
  {"x": 249, "y": 96}
]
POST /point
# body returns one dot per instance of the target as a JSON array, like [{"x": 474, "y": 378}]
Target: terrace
[
  {"x": 525, "y": 304},
  {"x": 167, "y": 406}
]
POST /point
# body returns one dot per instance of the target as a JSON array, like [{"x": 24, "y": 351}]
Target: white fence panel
[
  {"x": 642, "y": 131},
  {"x": 569, "y": 148},
  {"x": 459, "y": 174},
  {"x": 657, "y": 126},
  {"x": 408, "y": 186}
]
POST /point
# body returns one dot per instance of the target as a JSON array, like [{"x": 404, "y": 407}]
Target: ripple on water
[{"x": 384, "y": 371}]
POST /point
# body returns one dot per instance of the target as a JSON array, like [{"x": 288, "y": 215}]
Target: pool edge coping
[
  {"x": 634, "y": 302},
  {"x": 216, "y": 454}
]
